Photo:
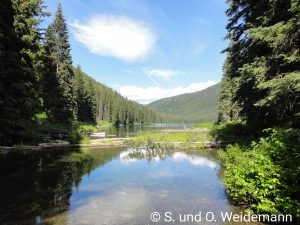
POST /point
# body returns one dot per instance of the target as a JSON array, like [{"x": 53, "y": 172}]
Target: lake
[{"x": 113, "y": 186}]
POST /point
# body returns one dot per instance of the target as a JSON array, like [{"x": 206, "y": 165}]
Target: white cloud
[
  {"x": 149, "y": 94},
  {"x": 163, "y": 73},
  {"x": 115, "y": 36}
]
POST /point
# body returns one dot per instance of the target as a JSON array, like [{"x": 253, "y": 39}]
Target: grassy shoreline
[{"x": 174, "y": 138}]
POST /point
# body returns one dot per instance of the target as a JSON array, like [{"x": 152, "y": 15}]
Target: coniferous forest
[
  {"x": 38, "y": 78},
  {"x": 259, "y": 109}
]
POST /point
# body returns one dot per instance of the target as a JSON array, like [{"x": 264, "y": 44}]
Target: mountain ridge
[{"x": 190, "y": 107}]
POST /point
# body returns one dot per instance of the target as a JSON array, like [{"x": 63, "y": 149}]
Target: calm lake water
[{"x": 115, "y": 186}]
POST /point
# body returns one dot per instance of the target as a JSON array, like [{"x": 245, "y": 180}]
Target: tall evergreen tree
[
  {"x": 19, "y": 48},
  {"x": 58, "y": 81},
  {"x": 263, "y": 62}
]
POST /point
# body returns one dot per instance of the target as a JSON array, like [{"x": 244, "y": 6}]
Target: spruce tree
[
  {"x": 19, "y": 50},
  {"x": 263, "y": 62},
  {"x": 58, "y": 80}
]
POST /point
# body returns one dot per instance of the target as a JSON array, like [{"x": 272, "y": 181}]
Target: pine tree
[
  {"x": 19, "y": 50},
  {"x": 58, "y": 80}
]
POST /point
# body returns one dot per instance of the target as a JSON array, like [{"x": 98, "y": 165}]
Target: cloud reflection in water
[{"x": 194, "y": 160}]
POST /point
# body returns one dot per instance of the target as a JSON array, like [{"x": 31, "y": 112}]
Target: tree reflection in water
[
  {"x": 35, "y": 186},
  {"x": 150, "y": 154}
]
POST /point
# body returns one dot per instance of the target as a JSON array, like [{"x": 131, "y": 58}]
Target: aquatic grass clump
[{"x": 169, "y": 139}]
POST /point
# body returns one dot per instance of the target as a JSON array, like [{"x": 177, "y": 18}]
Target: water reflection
[
  {"x": 151, "y": 155},
  {"x": 155, "y": 155},
  {"x": 129, "y": 189},
  {"x": 195, "y": 160},
  {"x": 108, "y": 186},
  {"x": 35, "y": 186}
]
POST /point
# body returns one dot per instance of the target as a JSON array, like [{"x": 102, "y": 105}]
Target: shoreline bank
[{"x": 105, "y": 143}]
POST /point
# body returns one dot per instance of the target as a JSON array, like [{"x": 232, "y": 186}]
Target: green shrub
[
  {"x": 266, "y": 176},
  {"x": 80, "y": 132},
  {"x": 41, "y": 118},
  {"x": 232, "y": 132}
]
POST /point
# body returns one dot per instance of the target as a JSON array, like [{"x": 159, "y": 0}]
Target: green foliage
[
  {"x": 19, "y": 47},
  {"x": 58, "y": 93},
  {"x": 232, "y": 132},
  {"x": 192, "y": 107},
  {"x": 77, "y": 132},
  {"x": 261, "y": 74},
  {"x": 261, "y": 87},
  {"x": 85, "y": 97},
  {"x": 266, "y": 176},
  {"x": 41, "y": 118},
  {"x": 168, "y": 139},
  {"x": 228, "y": 109},
  {"x": 44, "y": 125},
  {"x": 103, "y": 124},
  {"x": 80, "y": 132},
  {"x": 37, "y": 74},
  {"x": 207, "y": 125},
  {"x": 99, "y": 102}
]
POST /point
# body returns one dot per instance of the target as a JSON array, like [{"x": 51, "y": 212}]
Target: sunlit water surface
[{"x": 112, "y": 187}]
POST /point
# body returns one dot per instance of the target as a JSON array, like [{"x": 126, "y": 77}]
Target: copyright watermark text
[{"x": 211, "y": 217}]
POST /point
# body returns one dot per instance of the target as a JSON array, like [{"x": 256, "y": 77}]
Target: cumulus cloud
[
  {"x": 149, "y": 94},
  {"x": 163, "y": 73},
  {"x": 115, "y": 36}
]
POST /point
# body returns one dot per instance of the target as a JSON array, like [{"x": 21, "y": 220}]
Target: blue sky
[{"x": 147, "y": 49}]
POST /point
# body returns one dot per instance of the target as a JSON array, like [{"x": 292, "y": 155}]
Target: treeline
[
  {"x": 260, "y": 104},
  {"x": 96, "y": 101},
  {"x": 37, "y": 76}
]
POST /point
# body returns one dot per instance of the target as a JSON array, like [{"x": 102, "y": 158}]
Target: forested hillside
[
  {"x": 95, "y": 101},
  {"x": 192, "y": 107},
  {"x": 260, "y": 104},
  {"x": 37, "y": 76}
]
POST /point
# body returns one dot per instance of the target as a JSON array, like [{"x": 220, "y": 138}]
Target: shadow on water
[{"x": 34, "y": 186}]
